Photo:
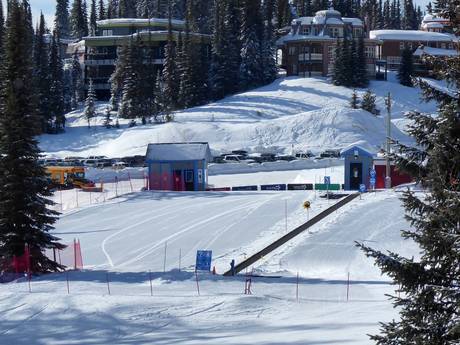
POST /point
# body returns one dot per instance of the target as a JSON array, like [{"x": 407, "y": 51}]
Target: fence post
[
  {"x": 164, "y": 261},
  {"x": 348, "y": 286},
  {"x": 130, "y": 182},
  {"x": 29, "y": 278},
  {"x": 297, "y": 288},
  {"x": 108, "y": 283},
  {"x": 151, "y": 286},
  {"x": 197, "y": 284},
  {"x": 116, "y": 186},
  {"x": 180, "y": 258},
  {"x": 76, "y": 193},
  {"x": 68, "y": 286},
  {"x": 60, "y": 195},
  {"x": 74, "y": 253}
]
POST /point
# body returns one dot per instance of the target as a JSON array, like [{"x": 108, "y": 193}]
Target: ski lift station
[
  {"x": 178, "y": 166},
  {"x": 358, "y": 164}
]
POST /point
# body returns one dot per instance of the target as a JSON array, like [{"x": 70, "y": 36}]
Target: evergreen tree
[
  {"x": 219, "y": 52},
  {"x": 428, "y": 297},
  {"x": 61, "y": 18},
  {"x": 77, "y": 85},
  {"x": 56, "y": 95},
  {"x": 268, "y": 45},
  {"x": 25, "y": 218},
  {"x": 101, "y": 11},
  {"x": 232, "y": 46},
  {"x": 161, "y": 102},
  {"x": 368, "y": 103},
  {"x": 251, "y": 74},
  {"x": 429, "y": 8},
  {"x": 409, "y": 21},
  {"x": 406, "y": 68},
  {"x": 170, "y": 72},
  {"x": 93, "y": 19},
  {"x": 78, "y": 22},
  {"x": 90, "y": 104},
  {"x": 344, "y": 65},
  {"x": 108, "y": 118},
  {"x": 387, "y": 19},
  {"x": 361, "y": 76},
  {"x": 339, "y": 73},
  {"x": 42, "y": 76},
  {"x": 112, "y": 9},
  {"x": 354, "y": 101},
  {"x": 283, "y": 8},
  {"x": 118, "y": 76},
  {"x": 2, "y": 27}
]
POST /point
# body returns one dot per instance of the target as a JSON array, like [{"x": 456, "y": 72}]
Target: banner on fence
[
  {"x": 219, "y": 189},
  {"x": 273, "y": 187},
  {"x": 300, "y": 186},
  {"x": 243, "y": 188},
  {"x": 322, "y": 186}
]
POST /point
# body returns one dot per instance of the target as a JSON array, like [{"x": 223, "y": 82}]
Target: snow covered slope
[{"x": 306, "y": 113}]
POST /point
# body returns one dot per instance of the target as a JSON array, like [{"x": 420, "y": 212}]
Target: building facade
[
  {"x": 101, "y": 51},
  {"x": 309, "y": 48}
]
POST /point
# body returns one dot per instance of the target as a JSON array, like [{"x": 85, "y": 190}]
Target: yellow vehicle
[{"x": 69, "y": 176}]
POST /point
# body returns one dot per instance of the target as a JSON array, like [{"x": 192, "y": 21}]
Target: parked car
[
  {"x": 240, "y": 152},
  {"x": 330, "y": 154},
  {"x": 268, "y": 157},
  {"x": 304, "y": 155},
  {"x": 286, "y": 158},
  {"x": 104, "y": 163},
  {"x": 119, "y": 165},
  {"x": 90, "y": 163},
  {"x": 237, "y": 159},
  {"x": 218, "y": 159}
]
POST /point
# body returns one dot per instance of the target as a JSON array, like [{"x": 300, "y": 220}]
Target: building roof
[
  {"x": 117, "y": 22},
  {"x": 321, "y": 20},
  {"x": 173, "y": 152},
  {"x": 351, "y": 151},
  {"x": 435, "y": 51},
  {"x": 431, "y": 25},
  {"x": 410, "y": 35}
]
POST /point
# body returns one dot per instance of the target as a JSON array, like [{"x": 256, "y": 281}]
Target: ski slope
[
  {"x": 124, "y": 239},
  {"x": 289, "y": 114}
]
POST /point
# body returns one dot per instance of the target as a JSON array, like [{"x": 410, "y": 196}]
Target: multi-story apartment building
[
  {"x": 101, "y": 51},
  {"x": 309, "y": 48}
]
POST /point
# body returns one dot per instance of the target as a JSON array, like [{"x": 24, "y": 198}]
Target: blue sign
[
  {"x": 273, "y": 187},
  {"x": 327, "y": 180},
  {"x": 362, "y": 188},
  {"x": 244, "y": 188},
  {"x": 372, "y": 182},
  {"x": 203, "y": 260},
  {"x": 373, "y": 174}
]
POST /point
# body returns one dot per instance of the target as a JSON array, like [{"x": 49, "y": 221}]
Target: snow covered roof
[
  {"x": 334, "y": 21},
  {"x": 351, "y": 150},
  {"x": 178, "y": 152},
  {"x": 410, "y": 35},
  {"x": 139, "y": 21},
  {"x": 435, "y": 51},
  {"x": 353, "y": 21},
  {"x": 432, "y": 25},
  {"x": 321, "y": 20}
]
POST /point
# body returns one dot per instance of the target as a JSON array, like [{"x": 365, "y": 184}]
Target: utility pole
[{"x": 388, "y": 148}]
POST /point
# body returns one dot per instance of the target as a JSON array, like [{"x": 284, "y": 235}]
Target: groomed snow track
[{"x": 297, "y": 231}]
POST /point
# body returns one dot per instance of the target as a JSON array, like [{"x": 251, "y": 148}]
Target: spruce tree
[
  {"x": 93, "y": 19},
  {"x": 354, "y": 101},
  {"x": 361, "y": 76},
  {"x": 42, "y": 76},
  {"x": 61, "y": 18},
  {"x": 90, "y": 104},
  {"x": 118, "y": 76},
  {"x": 78, "y": 22},
  {"x": 131, "y": 100},
  {"x": 232, "y": 46},
  {"x": 368, "y": 103},
  {"x": 406, "y": 68},
  {"x": 428, "y": 297},
  {"x": 170, "y": 72},
  {"x": 25, "y": 218},
  {"x": 283, "y": 9},
  {"x": 77, "y": 85},
  {"x": 56, "y": 94},
  {"x": 101, "y": 11},
  {"x": 2, "y": 27},
  {"x": 219, "y": 52},
  {"x": 268, "y": 45}
]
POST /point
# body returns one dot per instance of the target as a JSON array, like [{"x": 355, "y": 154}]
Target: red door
[{"x": 177, "y": 180}]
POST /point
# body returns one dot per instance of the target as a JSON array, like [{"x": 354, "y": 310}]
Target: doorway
[
  {"x": 356, "y": 175},
  {"x": 177, "y": 180},
  {"x": 189, "y": 180}
]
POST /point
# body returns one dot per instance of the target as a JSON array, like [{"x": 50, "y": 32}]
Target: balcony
[
  {"x": 106, "y": 62},
  {"x": 311, "y": 57}
]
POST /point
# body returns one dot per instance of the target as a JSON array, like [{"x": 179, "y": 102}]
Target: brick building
[{"x": 309, "y": 48}]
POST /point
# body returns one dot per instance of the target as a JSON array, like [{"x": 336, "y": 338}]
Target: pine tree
[
  {"x": 131, "y": 101},
  {"x": 428, "y": 297},
  {"x": 42, "y": 76},
  {"x": 61, "y": 18},
  {"x": 219, "y": 53},
  {"x": 429, "y": 8},
  {"x": 283, "y": 8},
  {"x": 108, "y": 118},
  {"x": 118, "y": 76},
  {"x": 78, "y": 22},
  {"x": 101, "y": 11},
  {"x": 112, "y": 9},
  {"x": 361, "y": 75},
  {"x": 93, "y": 19},
  {"x": 268, "y": 45},
  {"x": 232, "y": 46},
  {"x": 2, "y": 27},
  {"x": 338, "y": 75},
  {"x": 406, "y": 68},
  {"x": 25, "y": 218},
  {"x": 77, "y": 85},
  {"x": 368, "y": 103},
  {"x": 354, "y": 101},
  {"x": 90, "y": 104},
  {"x": 170, "y": 72},
  {"x": 387, "y": 19},
  {"x": 56, "y": 95},
  {"x": 251, "y": 74},
  {"x": 160, "y": 101}
]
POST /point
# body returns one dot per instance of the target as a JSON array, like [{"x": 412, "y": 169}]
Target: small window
[
  {"x": 401, "y": 45},
  {"x": 292, "y": 50},
  {"x": 306, "y": 30},
  {"x": 107, "y": 32},
  {"x": 294, "y": 69}
]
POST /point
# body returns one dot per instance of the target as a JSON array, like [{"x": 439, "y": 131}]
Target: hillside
[{"x": 306, "y": 113}]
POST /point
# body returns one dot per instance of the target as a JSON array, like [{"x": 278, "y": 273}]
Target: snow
[
  {"x": 178, "y": 152},
  {"x": 435, "y": 51},
  {"x": 298, "y": 113},
  {"x": 410, "y": 35},
  {"x": 134, "y": 21},
  {"x": 125, "y": 238},
  {"x": 334, "y": 21}
]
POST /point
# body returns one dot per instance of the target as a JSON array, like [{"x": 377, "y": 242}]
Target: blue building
[
  {"x": 178, "y": 166},
  {"x": 358, "y": 164}
]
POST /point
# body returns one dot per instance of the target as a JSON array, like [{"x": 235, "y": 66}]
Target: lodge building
[
  {"x": 309, "y": 48},
  {"x": 100, "y": 52}
]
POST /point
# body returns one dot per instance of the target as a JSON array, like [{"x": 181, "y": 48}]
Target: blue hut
[
  {"x": 358, "y": 164},
  {"x": 178, "y": 166}
]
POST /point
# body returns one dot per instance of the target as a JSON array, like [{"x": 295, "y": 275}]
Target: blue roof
[
  {"x": 171, "y": 152},
  {"x": 351, "y": 151}
]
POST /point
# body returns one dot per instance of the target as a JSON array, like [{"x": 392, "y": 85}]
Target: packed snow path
[{"x": 175, "y": 314}]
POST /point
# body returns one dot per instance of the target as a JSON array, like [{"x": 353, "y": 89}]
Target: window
[
  {"x": 306, "y": 30},
  {"x": 401, "y": 45},
  {"x": 292, "y": 50},
  {"x": 357, "y": 32},
  {"x": 335, "y": 32},
  {"x": 107, "y": 32},
  {"x": 294, "y": 69},
  {"x": 443, "y": 45},
  {"x": 369, "y": 52}
]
